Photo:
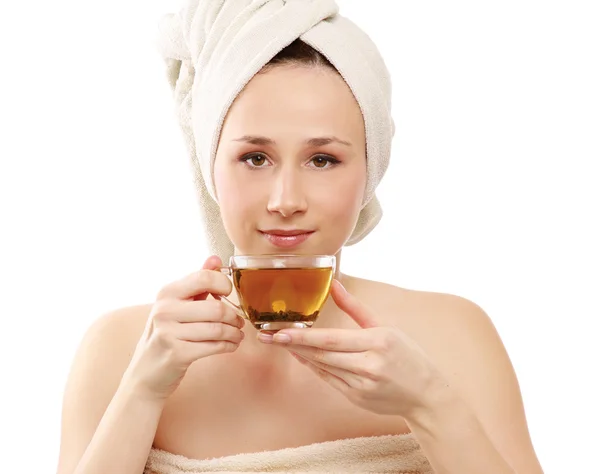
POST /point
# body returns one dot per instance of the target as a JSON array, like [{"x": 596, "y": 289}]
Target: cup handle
[
  {"x": 239, "y": 311},
  {"x": 226, "y": 270}
]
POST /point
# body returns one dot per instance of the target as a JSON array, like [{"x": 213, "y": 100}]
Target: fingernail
[
  {"x": 265, "y": 337},
  {"x": 284, "y": 338}
]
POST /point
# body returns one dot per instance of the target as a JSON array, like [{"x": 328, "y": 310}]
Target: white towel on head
[{"x": 213, "y": 48}]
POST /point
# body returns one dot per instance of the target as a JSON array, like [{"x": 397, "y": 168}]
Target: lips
[{"x": 286, "y": 238}]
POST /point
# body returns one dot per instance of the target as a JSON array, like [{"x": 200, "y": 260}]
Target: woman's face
[{"x": 291, "y": 160}]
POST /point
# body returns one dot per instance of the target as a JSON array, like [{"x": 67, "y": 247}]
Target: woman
[{"x": 387, "y": 380}]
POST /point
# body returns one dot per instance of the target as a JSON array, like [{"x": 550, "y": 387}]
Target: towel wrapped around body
[{"x": 399, "y": 454}]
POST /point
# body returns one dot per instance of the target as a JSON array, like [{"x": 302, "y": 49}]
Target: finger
[
  {"x": 346, "y": 375},
  {"x": 335, "y": 380},
  {"x": 208, "y": 331},
  {"x": 352, "y": 306},
  {"x": 347, "y": 361},
  {"x": 197, "y": 350},
  {"x": 198, "y": 284},
  {"x": 212, "y": 263},
  {"x": 205, "y": 311},
  {"x": 342, "y": 340}
]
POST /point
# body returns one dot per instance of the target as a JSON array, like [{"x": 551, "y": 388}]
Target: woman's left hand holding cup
[{"x": 377, "y": 367}]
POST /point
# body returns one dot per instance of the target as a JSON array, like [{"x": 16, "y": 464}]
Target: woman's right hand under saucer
[{"x": 184, "y": 326}]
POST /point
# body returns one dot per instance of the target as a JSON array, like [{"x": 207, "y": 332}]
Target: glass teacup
[{"x": 281, "y": 291}]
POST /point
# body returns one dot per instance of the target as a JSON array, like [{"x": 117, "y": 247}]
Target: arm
[
  {"x": 107, "y": 424},
  {"x": 476, "y": 421},
  {"x": 124, "y": 437},
  {"x": 131, "y": 361},
  {"x": 454, "y": 440},
  {"x": 456, "y": 388}
]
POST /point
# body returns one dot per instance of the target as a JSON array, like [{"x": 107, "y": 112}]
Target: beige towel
[
  {"x": 378, "y": 454},
  {"x": 212, "y": 48}
]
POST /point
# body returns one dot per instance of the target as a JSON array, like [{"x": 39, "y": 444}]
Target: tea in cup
[{"x": 281, "y": 291}]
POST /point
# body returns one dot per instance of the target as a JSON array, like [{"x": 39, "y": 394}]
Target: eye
[
  {"x": 324, "y": 161},
  {"x": 254, "y": 160}
]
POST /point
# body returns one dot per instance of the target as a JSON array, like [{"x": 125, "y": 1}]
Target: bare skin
[
  {"x": 260, "y": 398},
  {"x": 258, "y": 392},
  {"x": 246, "y": 401},
  {"x": 145, "y": 377}
]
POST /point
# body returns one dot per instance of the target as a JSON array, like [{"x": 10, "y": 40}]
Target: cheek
[
  {"x": 343, "y": 196},
  {"x": 235, "y": 194},
  {"x": 339, "y": 206}
]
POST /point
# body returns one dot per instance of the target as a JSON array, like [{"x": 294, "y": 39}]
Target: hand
[
  {"x": 184, "y": 326},
  {"x": 378, "y": 368}
]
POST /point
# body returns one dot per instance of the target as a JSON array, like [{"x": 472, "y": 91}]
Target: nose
[{"x": 287, "y": 196}]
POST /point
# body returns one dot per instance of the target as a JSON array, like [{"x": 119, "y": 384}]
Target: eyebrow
[{"x": 316, "y": 141}]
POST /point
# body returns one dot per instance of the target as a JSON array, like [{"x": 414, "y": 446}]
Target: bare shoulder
[
  {"x": 102, "y": 357},
  {"x": 116, "y": 333},
  {"x": 106, "y": 350},
  {"x": 395, "y": 301},
  {"x": 462, "y": 342},
  {"x": 438, "y": 321},
  {"x": 108, "y": 345},
  {"x": 121, "y": 324}
]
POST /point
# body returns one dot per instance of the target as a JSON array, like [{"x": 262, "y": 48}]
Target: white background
[{"x": 492, "y": 193}]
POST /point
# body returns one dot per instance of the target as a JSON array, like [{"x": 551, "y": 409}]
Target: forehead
[{"x": 299, "y": 97}]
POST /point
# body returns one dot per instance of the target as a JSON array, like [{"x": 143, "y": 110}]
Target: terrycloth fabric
[
  {"x": 212, "y": 48},
  {"x": 399, "y": 454}
]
